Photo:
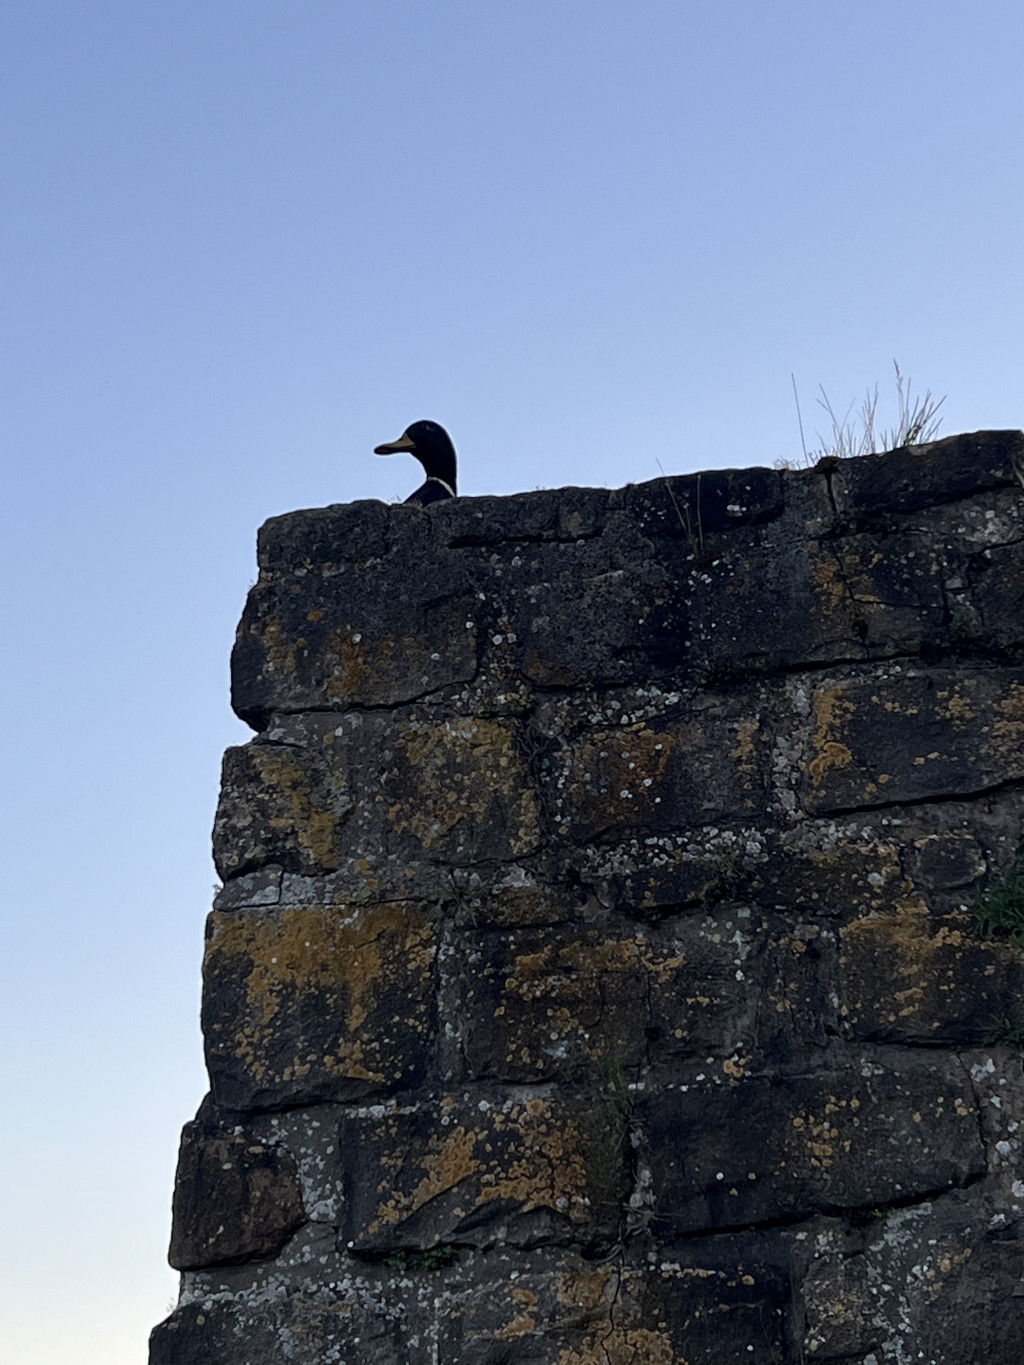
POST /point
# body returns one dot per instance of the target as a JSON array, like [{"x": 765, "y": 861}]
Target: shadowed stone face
[{"x": 596, "y": 978}]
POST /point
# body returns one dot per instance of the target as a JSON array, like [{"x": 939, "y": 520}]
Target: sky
[{"x": 243, "y": 243}]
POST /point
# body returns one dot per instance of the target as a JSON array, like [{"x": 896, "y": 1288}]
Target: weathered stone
[
  {"x": 797, "y": 1004},
  {"x": 839, "y": 1309},
  {"x": 914, "y": 978},
  {"x": 729, "y": 1303},
  {"x": 519, "y": 1170},
  {"x": 234, "y": 1199},
  {"x": 595, "y": 979},
  {"x": 319, "y": 1003},
  {"x": 329, "y": 789},
  {"x": 997, "y": 577},
  {"x": 279, "y": 806},
  {"x": 251, "y": 888},
  {"x": 301, "y": 1329},
  {"x": 710, "y": 766},
  {"x": 920, "y": 476},
  {"x": 537, "y": 1322},
  {"x": 862, "y": 596},
  {"x": 329, "y": 626},
  {"x": 864, "y": 1136},
  {"x": 831, "y": 871},
  {"x": 655, "y": 877},
  {"x": 910, "y": 737},
  {"x": 511, "y": 896},
  {"x": 529, "y": 518},
  {"x": 939, "y": 1282},
  {"x": 575, "y": 1002},
  {"x": 620, "y": 592},
  {"x": 679, "y": 1313},
  {"x": 702, "y": 504},
  {"x": 946, "y": 861}
]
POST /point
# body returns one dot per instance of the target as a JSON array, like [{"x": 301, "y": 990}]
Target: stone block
[
  {"x": 653, "y": 877},
  {"x": 693, "y": 505},
  {"x": 328, "y": 789},
  {"x": 833, "y": 871},
  {"x": 539, "y": 517},
  {"x": 865, "y": 1136},
  {"x": 768, "y": 602},
  {"x": 298, "y": 1328},
  {"x": 920, "y": 476},
  {"x": 915, "y": 736},
  {"x": 280, "y": 805},
  {"x": 997, "y": 583},
  {"x": 592, "y": 1005},
  {"x": 946, "y": 860},
  {"x": 235, "y": 1199},
  {"x": 658, "y": 776},
  {"x": 938, "y": 1282},
  {"x": 317, "y": 1003},
  {"x": 916, "y": 978},
  {"x": 675, "y": 1315},
  {"x": 326, "y": 629},
  {"x": 797, "y": 1004},
  {"x": 519, "y": 1169},
  {"x": 580, "y": 613}
]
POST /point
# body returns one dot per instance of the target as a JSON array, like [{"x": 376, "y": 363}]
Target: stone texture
[
  {"x": 325, "y": 791},
  {"x": 921, "y": 978},
  {"x": 319, "y": 1002},
  {"x": 865, "y": 1136},
  {"x": 234, "y": 1199},
  {"x": 915, "y": 735},
  {"x": 515, "y": 1169},
  {"x": 594, "y": 980}
]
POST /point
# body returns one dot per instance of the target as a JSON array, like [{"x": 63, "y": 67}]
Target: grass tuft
[
  {"x": 999, "y": 912},
  {"x": 857, "y": 432},
  {"x": 1001, "y": 1031}
]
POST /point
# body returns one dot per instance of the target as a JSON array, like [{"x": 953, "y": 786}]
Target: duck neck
[{"x": 442, "y": 468}]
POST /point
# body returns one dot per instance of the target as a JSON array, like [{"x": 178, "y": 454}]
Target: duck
[{"x": 432, "y": 446}]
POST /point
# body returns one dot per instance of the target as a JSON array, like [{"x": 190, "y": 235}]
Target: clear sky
[{"x": 245, "y": 242}]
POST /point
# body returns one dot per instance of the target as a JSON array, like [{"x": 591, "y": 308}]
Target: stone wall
[{"x": 594, "y": 979}]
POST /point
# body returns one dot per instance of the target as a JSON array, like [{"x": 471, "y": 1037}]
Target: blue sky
[{"x": 243, "y": 243}]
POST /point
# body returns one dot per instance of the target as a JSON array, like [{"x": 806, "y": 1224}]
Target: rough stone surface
[
  {"x": 594, "y": 980},
  {"x": 220, "y": 1170}
]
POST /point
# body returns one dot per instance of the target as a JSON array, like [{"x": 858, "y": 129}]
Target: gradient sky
[{"x": 243, "y": 243}]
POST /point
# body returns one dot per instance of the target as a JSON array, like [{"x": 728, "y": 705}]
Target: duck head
[{"x": 431, "y": 445}]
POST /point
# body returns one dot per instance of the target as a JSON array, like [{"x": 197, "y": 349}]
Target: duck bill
[{"x": 404, "y": 443}]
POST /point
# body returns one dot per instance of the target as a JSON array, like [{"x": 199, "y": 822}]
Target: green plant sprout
[
  {"x": 1001, "y": 1031},
  {"x": 999, "y": 911}
]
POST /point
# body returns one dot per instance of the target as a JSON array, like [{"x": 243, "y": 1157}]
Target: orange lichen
[
  {"x": 622, "y": 1346},
  {"x": 626, "y": 768},
  {"x": 744, "y": 749},
  {"x": 287, "y": 782},
  {"x": 828, "y": 580},
  {"x": 1007, "y": 742},
  {"x": 831, "y": 709},
  {"x": 460, "y": 771},
  {"x": 586, "y": 1291},
  {"x": 527, "y": 1156},
  {"x": 447, "y": 1166},
  {"x": 344, "y": 958},
  {"x": 524, "y": 1320},
  {"x": 954, "y": 706},
  {"x": 278, "y": 648},
  {"x": 354, "y": 675}
]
